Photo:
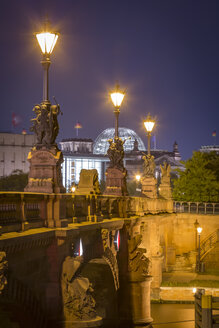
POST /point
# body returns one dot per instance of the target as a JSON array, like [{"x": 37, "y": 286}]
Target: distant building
[
  {"x": 14, "y": 149},
  {"x": 76, "y": 145},
  {"x": 85, "y": 154},
  {"x": 208, "y": 149}
]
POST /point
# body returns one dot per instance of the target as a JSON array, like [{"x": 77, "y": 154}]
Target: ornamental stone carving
[
  {"x": 45, "y": 124},
  {"x": 3, "y": 267},
  {"x": 165, "y": 173},
  {"x": 116, "y": 153},
  {"x": 78, "y": 301},
  {"x": 109, "y": 256},
  {"x": 148, "y": 165},
  {"x": 88, "y": 183},
  {"x": 138, "y": 263},
  {"x": 165, "y": 186}
]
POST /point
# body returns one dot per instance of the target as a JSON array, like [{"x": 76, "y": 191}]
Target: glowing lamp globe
[
  {"x": 117, "y": 97},
  {"x": 138, "y": 177},
  {"x": 149, "y": 123},
  {"x": 47, "y": 41},
  {"x": 199, "y": 229}
]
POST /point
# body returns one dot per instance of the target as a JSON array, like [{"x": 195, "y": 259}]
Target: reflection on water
[
  {"x": 173, "y": 315},
  {"x": 167, "y": 316}
]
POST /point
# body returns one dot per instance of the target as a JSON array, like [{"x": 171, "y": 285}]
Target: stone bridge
[{"x": 80, "y": 260}]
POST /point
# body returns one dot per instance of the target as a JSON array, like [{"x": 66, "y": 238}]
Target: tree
[
  {"x": 17, "y": 181},
  {"x": 200, "y": 180}
]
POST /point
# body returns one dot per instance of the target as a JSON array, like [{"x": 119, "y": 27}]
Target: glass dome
[{"x": 101, "y": 144}]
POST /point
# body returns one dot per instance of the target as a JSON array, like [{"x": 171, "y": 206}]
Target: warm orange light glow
[
  {"x": 199, "y": 229},
  {"x": 149, "y": 123},
  {"x": 138, "y": 177},
  {"x": 47, "y": 41},
  {"x": 117, "y": 97},
  {"x": 73, "y": 188}
]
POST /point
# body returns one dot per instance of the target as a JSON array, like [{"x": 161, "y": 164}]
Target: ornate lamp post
[
  {"x": 45, "y": 157},
  {"x": 196, "y": 225},
  {"x": 199, "y": 230},
  {"x": 117, "y": 98},
  {"x": 47, "y": 41},
  {"x": 116, "y": 172},
  {"x": 149, "y": 124}
]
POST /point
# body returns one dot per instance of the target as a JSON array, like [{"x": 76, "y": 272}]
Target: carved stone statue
[
  {"x": 165, "y": 173},
  {"x": 77, "y": 292},
  {"x": 165, "y": 187},
  {"x": 138, "y": 264},
  {"x": 3, "y": 267},
  {"x": 45, "y": 124},
  {"x": 116, "y": 153},
  {"x": 148, "y": 165},
  {"x": 116, "y": 172},
  {"x": 135, "y": 148}
]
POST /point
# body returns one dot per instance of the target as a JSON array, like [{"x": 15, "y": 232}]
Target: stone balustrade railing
[
  {"x": 20, "y": 211},
  {"x": 196, "y": 207}
]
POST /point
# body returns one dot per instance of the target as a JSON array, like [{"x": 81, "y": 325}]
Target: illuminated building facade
[
  {"x": 85, "y": 154},
  {"x": 14, "y": 149}
]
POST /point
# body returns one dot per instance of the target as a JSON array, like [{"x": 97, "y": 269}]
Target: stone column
[
  {"x": 134, "y": 301},
  {"x": 135, "y": 281},
  {"x": 156, "y": 272}
]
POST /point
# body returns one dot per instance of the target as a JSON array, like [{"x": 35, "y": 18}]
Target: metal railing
[
  {"x": 196, "y": 207},
  {"x": 208, "y": 244}
]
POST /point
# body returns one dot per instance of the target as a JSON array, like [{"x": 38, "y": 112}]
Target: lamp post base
[
  {"x": 45, "y": 171},
  {"x": 116, "y": 182}
]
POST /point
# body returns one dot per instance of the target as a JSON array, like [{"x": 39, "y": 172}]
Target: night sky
[{"x": 164, "y": 53}]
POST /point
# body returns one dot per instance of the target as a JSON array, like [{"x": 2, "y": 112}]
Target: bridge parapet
[{"x": 20, "y": 211}]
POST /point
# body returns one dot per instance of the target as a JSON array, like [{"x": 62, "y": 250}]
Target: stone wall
[{"x": 183, "y": 293}]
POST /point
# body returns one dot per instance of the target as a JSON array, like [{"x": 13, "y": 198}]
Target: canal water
[{"x": 173, "y": 315}]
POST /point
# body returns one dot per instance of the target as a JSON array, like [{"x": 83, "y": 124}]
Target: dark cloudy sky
[{"x": 164, "y": 52}]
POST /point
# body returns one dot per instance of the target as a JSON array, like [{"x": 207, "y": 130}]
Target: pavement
[{"x": 183, "y": 276}]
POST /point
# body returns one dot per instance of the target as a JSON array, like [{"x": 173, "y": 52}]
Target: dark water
[
  {"x": 173, "y": 315},
  {"x": 166, "y": 316}
]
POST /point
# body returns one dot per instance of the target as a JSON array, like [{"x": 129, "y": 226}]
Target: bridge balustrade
[
  {"x": 20, "y": 211},
  {"x": 18, "y": 208}
]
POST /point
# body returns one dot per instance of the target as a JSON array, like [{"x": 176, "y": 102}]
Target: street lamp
[
  {"x": 149, "y": 124},
  {"x": 117, "y": 98},
  {"x": 73, "y": 188},
  {"x": 138, "y": 184},
  {"x": 47, "y": 41},
  {"x": 138, "y": 177},
  {"x": 196, "y": 225},
  {"x": 199, "y": 230}
]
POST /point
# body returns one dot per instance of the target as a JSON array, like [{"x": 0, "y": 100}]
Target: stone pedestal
[
  {"x": 96, "y": 322},
  {"x": 45, "y": 171},
  {"x": 149, "y": 187},
  {"x": 88, "y": 183},
  {"x": 136, "y": 307},
  {"x": 116, "y": 182},
  {"x": 156, "y": 272},
  {"x": 165, "y": 191}
]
